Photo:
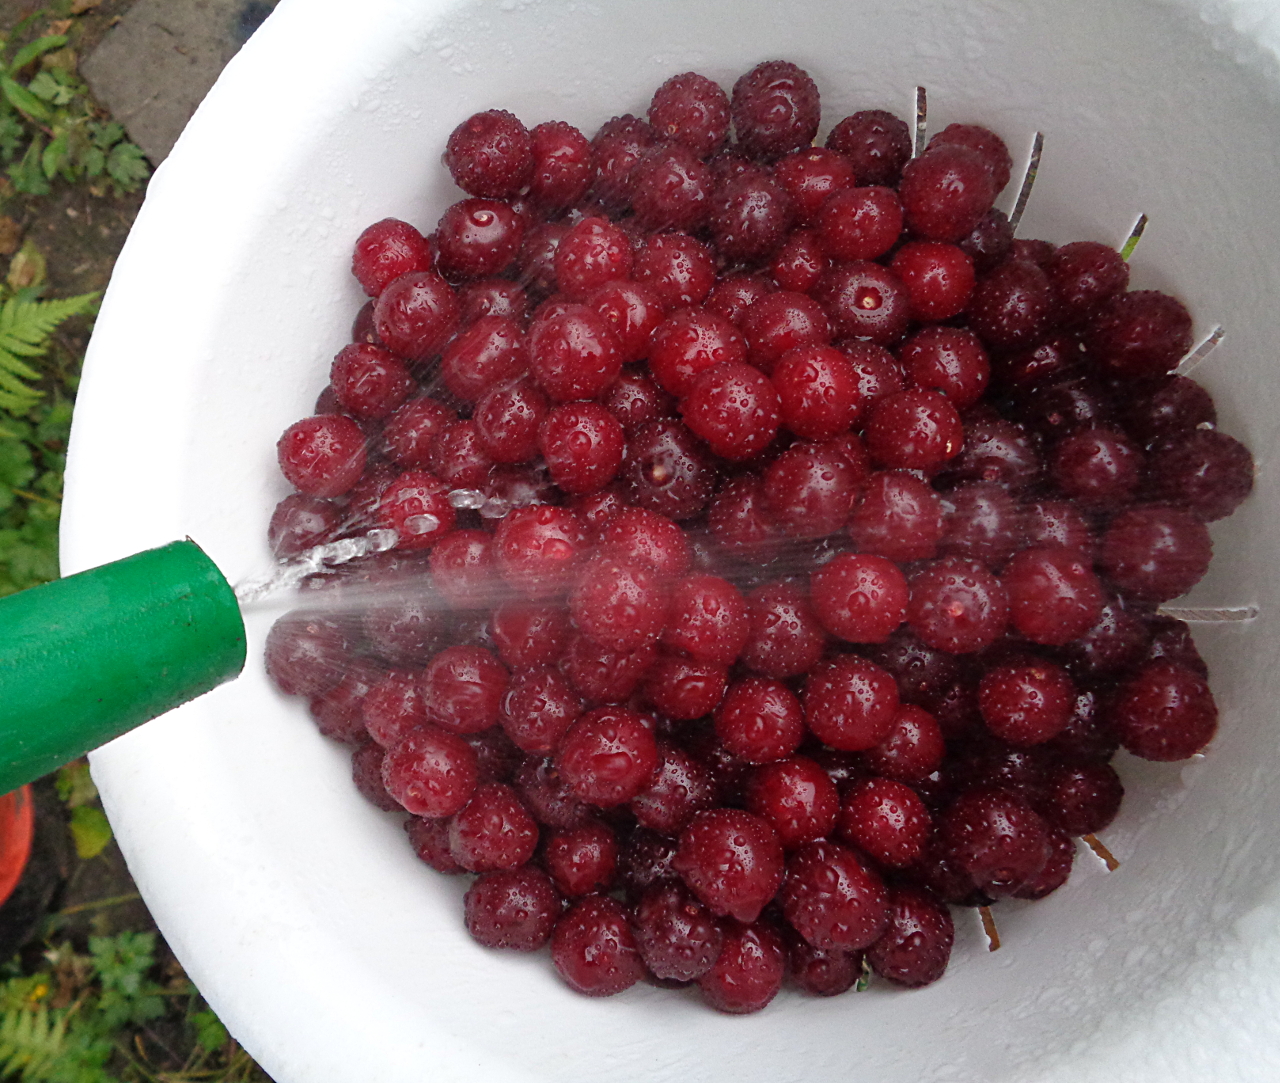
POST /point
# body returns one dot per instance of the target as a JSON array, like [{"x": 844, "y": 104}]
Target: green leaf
[
  {"x": 18, "y": 368},
  {"x": 127, "y": 166},
  {"x": 16, "y": 397},
  {"x": 104, "y": 134},
  {"x": 211, "y": 1035},
  {"x": 75, "y": 784},
  {"x": 39, "y": 47},
  {"x": 32, "y": 1040},
  {"x": 12, "y": 387},
  {"x": 1135, "y": 235},
  {"x": 27, "y": 175},
  {"x": 86, "y": 1057},
  {"x": 12, "y": 135},
  {"x": 121, "y": 960},
  {"x": 90, "y": 830},
  {"x": 16, "y": 470},
  {"x": 78, "y": 145},
  {"x": 118, "y": 1009},
  {"x": 24, "y": 101},
  {"x": 55, "y": 155},
  {"x": 41, "y": 526},
  {"x": 23, "y": 991},
  {"x": 93, "y": 161},
  {"x": 16, "y": 429},
  {"x": 122, "y": 963},
  {"x": 25, "y": 325},
  {"x": 47, "y": 87},
  {"x": 8, "y": 485},
  {"x": 24, "y": 24},
  {"x": 54, "y": 428},
  {"x": 28, "y": 553},
  {"x": 49, "y": 484}
]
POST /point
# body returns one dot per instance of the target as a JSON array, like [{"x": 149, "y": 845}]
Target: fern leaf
[
  {"x": 32, "y": 322},
  {"x": 11, "y": 386},
  {"x": 13, "y": 345},
  {"x": 9, "y": 363},
  {"x": 18, "y": 402},
  {"x": 31, "y": 1042},
  {"x": 25, "y": 327}
]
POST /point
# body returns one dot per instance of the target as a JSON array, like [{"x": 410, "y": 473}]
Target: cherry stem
[
  {"x": 1028, "y": 179},
  {"x": 1135, "y": 235},
  {"x": 922, "y": 111},
  {"x": 989, "y": 927},
  {"x": 1106, "y": 856},
  {"x": 1196, "y": 357},
  {"x": 864, "y": 978},
  {"x": 1199, "y": 615}
]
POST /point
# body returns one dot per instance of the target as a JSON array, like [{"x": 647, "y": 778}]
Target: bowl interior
[{"x": 301, "y": 912}]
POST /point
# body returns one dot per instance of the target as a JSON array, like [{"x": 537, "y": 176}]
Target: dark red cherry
[
  {"x": 608, "y": 756},
  {"x": 946, "y": 192},
  {"x": 983, "y": 140},
  {"x": 1140, "y": 334},
  {"x": 1165, "y": 712},
  {"x": 850, "y": 703},
  {"x": 996, "y": 838},
  {"x": 876, "y": 143},
  {"x": 691, "y": 110},
  {"x": 916, "y": 945},
  {"x": 1054, "y": 596},
  {"x": 731, "y": 860},
  {"x": 865, "y": 300},
  {"x": 797, "y": 796},
  {"x": 810, "y": 175},
  {"x": 775, "y": 109},
  {"x": 1155, "y": 554},
  {"x": 387, "y": 250},
  {"x": 749, "y": 970},
  {"x": 957, "y": 605},
  {"x": 593, "y": 948},
  {"x": 833, "y": 899},
  {"x": 1205, "y": 471}
]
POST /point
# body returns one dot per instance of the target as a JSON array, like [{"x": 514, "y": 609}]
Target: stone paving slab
[{"x": 156, "y": 65}]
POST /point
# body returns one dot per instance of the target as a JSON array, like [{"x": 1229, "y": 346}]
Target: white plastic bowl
[{"x": 300, "y": 911}]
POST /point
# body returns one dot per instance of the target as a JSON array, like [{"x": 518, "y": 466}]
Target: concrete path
[{"x": 153, "y": 68}]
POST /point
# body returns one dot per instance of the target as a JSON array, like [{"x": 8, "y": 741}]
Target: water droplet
[{"x": 421, "y": 524}]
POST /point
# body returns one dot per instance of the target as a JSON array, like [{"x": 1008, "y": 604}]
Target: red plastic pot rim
[{"x": 17, "y": 829}]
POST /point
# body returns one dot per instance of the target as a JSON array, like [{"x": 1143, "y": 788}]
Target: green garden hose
[{"x": 89, "y": 657}]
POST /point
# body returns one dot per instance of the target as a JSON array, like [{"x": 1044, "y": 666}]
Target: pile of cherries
[{"x": 779, "y": 540}]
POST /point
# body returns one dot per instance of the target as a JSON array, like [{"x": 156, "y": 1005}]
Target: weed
[
  {"x": 50, "y": 126},
  {"x": 86, "y": 1017},
  {"x": 34, "y": 428},
  {"x": 25, "y": 327}
]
